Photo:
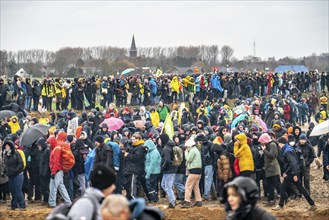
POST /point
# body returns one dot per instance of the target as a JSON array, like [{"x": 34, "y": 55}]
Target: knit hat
[
  {"x": 282, "y": 140},
  {"x": 227, "y": 138},
  {"x": 164, "y": 139},
  {"x": 102, "y": 177},
  {"x": 126, "y": 109},
  {"x": 264, "y": 138},
  {"x": 70, "y": 138},
  {"x": 190, "y": 142},
  {"x": 99, "y": 139},
  {"x": 124, "y": 140},
  {"x": 302, "y": 136},
  {"x": 291, "y": 138}
]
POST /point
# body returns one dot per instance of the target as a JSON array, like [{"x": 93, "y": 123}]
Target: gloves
[{"x": 52, "y": 176}]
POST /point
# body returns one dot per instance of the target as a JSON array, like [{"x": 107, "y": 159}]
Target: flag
[
  {"x": 169, "y": 127},
  {"x": 180, "y": 112},
  {"x": 158, "y": 73}
]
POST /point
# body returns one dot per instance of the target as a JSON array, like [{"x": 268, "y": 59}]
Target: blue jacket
[
  {"x": 215, "y": 82},
  {"x": 116, "y": 154},
  {"x": 197, "y": 85},
  {"x": 153, "y": 86},
  {"x": 290, "y": 162},
  {"x": 152, "y": 160}
]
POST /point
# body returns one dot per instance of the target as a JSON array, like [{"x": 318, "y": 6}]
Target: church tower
[{"x": 133, "y": 49}]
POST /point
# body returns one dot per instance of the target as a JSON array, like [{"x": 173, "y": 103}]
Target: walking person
[
  {"x": 290, "y": 175},
  {"x": 56, "y": 179},
  {"x": 194, "y": 166}
]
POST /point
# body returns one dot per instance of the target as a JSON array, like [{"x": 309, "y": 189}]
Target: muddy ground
[{"x": 296, "y": 209}]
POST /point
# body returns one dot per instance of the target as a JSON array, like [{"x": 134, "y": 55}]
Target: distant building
[{"x": 133, "y": 49}]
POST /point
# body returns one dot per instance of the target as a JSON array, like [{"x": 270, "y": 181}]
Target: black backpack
[{"x": 61, "y": 211}]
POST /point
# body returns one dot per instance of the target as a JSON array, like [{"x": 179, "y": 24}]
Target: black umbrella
[
  {"x": 33, "y": 133},
  {"x": 6, "y": 113}
]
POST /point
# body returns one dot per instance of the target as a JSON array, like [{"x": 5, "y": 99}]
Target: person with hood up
[
  {"x": 240, "y": 197},
  {"x": 80, "y": 155},
  {"x": 104, "y": 153},
  {"x": 150, "y": 129},
  {"x": 290, "y": 175},
  {"x": 175, "y": 88},
  {"x": 14, "y": 125},
  {"x": 102, "y": 180},
  {"x": 14, "y": 170},
  {"x": 56, "y": 178},
  {"x": 269, "y": 116},
  {"x": 44, "y": 170},
  {"x": 271, "y": 166},
  {"x": 167, "y": 168},
  {"x": 194, "y": 165},
  {"x": 207, "y": 163},
  {"x": 152, "y": 170},
  {"x": 243, "y": 153},
  {"x": 163, "y": 110},
  {"x": 155, "y": 118},
  {"x": 135, "y": 166},
  {"x": 309, "y": 156}
]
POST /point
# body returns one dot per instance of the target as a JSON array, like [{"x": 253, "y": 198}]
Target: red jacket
[
  {"x": 55, "y": 160},
  {"x": 286, "y": 112},
  {"x": 61, "y": 138}
]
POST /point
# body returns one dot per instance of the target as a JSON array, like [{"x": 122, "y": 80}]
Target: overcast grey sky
[{"x": 293, "y": 28}]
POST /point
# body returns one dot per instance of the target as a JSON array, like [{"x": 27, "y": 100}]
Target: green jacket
[
  {"x": 193, "y": 158},
  {"x": 152, "y": 160},
  {"x": 163, "y": 112}
]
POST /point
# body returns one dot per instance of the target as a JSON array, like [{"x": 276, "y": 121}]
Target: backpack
[
  {"x": 68, "y": 160},
  {"x": 279, "y": 157},
  {"x": 89, "y": 163},
  {"x": 178, "y": 156},
  {"x": 61, "y": 211},
  {"x": 21, "y": 153}
]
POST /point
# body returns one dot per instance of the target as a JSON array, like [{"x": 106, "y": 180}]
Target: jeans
[
  {"x": 287, "y": 181},
  {"x": 179, "y": 184},
  {"x": 27, "y": 104},
  {"x": 68, "y": 183},
  {"x": 152, "y": 187},
  {"x": 167, "y": 184},
  {"x": 15, "y": 188},
  {"x": 208, "y": 176},
  {"x": 82, "y": 183},
  {"x": 58, "y": 183}
]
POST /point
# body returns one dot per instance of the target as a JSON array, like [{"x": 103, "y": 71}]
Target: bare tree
[{"x": 226, "y": 53}]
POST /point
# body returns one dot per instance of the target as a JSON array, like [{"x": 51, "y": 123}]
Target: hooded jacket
[
  {"x": 167, "y": 158},
  {"x": 55, "y": 160},
  {"x": 135, "y": 161},
  {"x": 14, "y": 126},
  {"x": 44, "y": 169},
  {"x": 12, "y": 160},
  {"x": 243, "y": 153},
  {"x": 152, "y": 160},
  {"x": 174, "y": 84},
  {"x": 272, "y": 167},
  {"x": 290, "y": 163}
]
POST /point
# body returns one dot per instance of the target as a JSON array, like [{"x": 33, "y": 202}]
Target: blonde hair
[{"x": 115, "y": 204}]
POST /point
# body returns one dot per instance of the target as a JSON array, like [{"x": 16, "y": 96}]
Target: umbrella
[
  {"x": 33, "y": 133},
  {"x": 127, "y": 71},
  {"x": 6, "y": 113},
  {"x": 113, "y": 123},
  {"x": 319, "y": 129},
  {"x": 260, "y": 123},
  {"x": 238, "y": 119}
]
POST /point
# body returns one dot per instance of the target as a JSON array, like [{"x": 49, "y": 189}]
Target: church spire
[{"x": 133, "y": 49}]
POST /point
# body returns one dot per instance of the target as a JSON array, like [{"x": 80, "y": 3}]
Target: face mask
[{"x": 292, "y": 143}]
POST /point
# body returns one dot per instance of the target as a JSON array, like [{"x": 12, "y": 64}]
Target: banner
[{"x": 169, "y": 127}]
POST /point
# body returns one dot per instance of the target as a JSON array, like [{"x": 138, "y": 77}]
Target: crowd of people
[{"x": 201, "y": 143}]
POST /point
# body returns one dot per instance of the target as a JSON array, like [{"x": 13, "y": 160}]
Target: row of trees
[{"x": 109, "y": 60}]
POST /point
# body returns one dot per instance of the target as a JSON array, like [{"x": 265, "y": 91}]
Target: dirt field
[{"x": 296, "y": 209}]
